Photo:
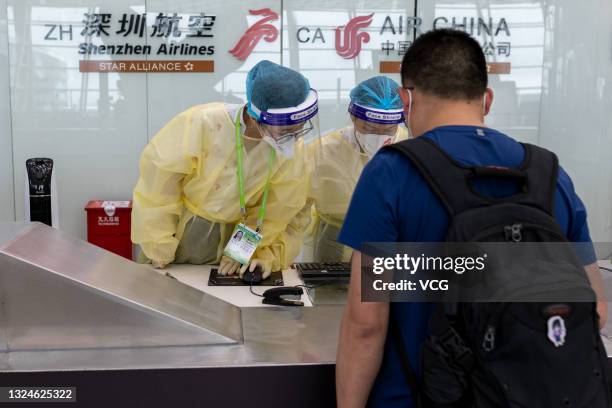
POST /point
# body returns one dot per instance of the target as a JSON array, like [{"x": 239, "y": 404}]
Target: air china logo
[
  {"x": 255, "y": 33},
  {"x": 349, "y": 40}
]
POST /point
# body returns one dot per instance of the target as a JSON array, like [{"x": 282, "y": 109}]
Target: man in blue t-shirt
[{"x": 445, "y": 96}]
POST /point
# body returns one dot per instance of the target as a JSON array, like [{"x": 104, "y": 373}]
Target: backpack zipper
[
  {"x": 496, "y": 230},
  {"x": 513, "y": 232},
  {"x": 488, "y": 340}
]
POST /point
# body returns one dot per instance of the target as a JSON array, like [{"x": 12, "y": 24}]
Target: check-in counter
[
  {"x": 100, "y": 322},
  {"x": 94, "y": 319}
]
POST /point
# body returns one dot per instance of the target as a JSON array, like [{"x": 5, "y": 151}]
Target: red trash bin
[{"x": 109, "y": 224}]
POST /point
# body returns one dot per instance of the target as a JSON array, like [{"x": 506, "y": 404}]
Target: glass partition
[{"x": 550, "y": 69}]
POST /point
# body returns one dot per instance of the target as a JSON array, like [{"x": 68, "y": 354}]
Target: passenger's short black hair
[{"x": 446, "y": 63}]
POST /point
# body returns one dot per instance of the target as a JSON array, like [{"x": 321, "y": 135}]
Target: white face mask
[
  {"x": 285, "y": 148},
  {"x": 371, "y": 143}
]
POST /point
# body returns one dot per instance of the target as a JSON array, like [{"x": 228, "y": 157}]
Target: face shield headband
[
  {"x": 289, "y": 116},
  {"x": 381, "y": 116}
]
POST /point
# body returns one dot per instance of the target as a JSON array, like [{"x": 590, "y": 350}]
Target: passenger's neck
[{"x": 453, "y": 114}]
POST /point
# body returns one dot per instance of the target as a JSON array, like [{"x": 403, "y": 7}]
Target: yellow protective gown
[
  {"x": 186, "y": 202},
  {"x": 337, "y": 163}
]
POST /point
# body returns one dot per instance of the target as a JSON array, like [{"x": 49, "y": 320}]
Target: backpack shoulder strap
[
  {"x": 542, "y": 169},
  {"x": 446, "y": 178},
  {"x": 450, "y": 180}
]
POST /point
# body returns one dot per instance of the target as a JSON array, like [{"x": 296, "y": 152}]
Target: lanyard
[{"x": 240, "y": 157}]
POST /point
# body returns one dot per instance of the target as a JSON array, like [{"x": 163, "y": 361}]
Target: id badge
[{"x": 242, "y": 244}]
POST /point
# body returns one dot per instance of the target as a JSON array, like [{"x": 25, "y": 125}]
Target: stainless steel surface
[
  {"x": 71, "y": 306},
  {"x": 328, "y": 294},
  {"x": 606, "y": 335},
  {"x": 272, "y": 336},
  {"x": 63, "y": 297},
  {"x": 3, "y": 321},
  {"x": 59, "y": 292},
  {"x": 10, "y": 230},
  {"x": 607, "y": 344},
  {"x": 607, "y": 285}
]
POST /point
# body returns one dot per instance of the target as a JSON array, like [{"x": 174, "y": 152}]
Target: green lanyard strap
[{"x": 240, "y": 173}]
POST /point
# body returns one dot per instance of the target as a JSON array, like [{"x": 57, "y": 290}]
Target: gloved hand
[
  {"x": 158, "y": 264},
  {"x": 266, "y": 267},
  {"x": 228, "y": 266}
]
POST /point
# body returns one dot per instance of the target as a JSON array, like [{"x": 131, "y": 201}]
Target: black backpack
[{"x": 486, "y": 355}]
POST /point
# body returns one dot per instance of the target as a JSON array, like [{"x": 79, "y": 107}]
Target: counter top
[
  {"x": 69, "y": 305},
  {"x": 251, "y": 335},
  {"x": 197, "y": 277}
]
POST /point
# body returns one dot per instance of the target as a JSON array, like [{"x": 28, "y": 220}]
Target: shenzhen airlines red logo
[
  {"x": 255, "y": 33},
  {"x": 349, "y": 40}
]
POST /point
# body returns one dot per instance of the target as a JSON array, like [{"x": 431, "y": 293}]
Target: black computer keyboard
[{"x": 324, "y": 270}]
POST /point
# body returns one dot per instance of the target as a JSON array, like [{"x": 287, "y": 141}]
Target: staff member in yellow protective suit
[
  {"x": 339, "y": 156},
  {"x": 215, "y": 166}
]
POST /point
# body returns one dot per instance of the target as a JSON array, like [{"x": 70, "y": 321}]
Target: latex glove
[
  {"x": 158, "y": 264},
  {"x": 266, "y": 267},
  {"x": 228, "y": 266}
]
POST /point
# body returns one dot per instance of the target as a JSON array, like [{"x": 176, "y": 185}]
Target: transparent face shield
[
  {"x": 282, "y": 134},
  {"x": 373, "y": 128},
  {"x": 283, "y": 128}
]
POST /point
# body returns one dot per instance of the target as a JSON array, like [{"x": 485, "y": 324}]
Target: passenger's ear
[
  {"x": 406, "y": 95},
  {"x": 403, "y": 94},
  {"x": 488, "y": 101}
]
